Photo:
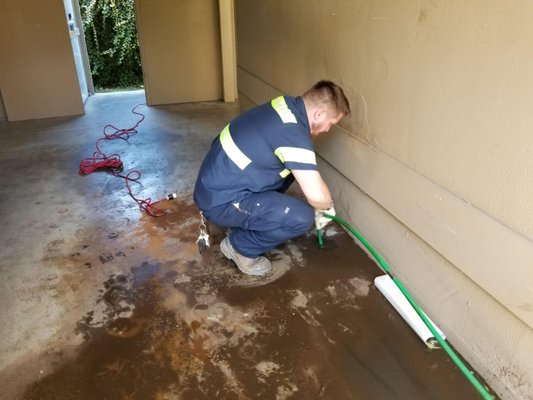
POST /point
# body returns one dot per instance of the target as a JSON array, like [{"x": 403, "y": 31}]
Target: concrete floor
[{"x": 100, "y": 301}]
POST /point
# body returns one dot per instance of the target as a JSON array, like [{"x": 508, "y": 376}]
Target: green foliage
[{"x": 112, "y": 43}]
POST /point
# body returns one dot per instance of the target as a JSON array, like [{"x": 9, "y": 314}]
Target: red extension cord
[{"x": 113, "y": 164}]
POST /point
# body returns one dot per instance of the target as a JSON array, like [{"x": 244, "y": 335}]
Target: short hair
[{"x": 329, "y": 94}]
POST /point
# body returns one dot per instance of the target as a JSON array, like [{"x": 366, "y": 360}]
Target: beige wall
[
  {"x": 37, "y": 71},
  {"x": 180, "y": 50},
  {"x": 434, "y": 165}
]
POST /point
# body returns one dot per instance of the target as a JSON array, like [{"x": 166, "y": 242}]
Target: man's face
[{"x": 323, "y": 122}]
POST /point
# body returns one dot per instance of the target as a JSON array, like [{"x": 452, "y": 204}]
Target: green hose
[
  {"x": 479, "y": 387},
  {"x": 319, "y": 237}
]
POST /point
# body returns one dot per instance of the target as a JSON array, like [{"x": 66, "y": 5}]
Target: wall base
[{"x": 464, "y": 311}]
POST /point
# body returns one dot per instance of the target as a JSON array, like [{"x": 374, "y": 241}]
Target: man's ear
[{"x": 319, "y": 115}]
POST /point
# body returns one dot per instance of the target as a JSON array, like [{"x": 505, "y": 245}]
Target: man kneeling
[{"x": 243, "y": 178}]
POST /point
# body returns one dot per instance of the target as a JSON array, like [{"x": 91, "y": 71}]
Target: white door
[{"x": 78, "y": 47}]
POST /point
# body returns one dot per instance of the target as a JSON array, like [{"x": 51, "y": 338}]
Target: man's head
[{"x": 326, "y": 104}]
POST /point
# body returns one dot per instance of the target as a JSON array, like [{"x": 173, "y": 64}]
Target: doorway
[
  {"x": 79, "y": 49},
  {"x": 176, "y": 56},
  {"x": 112, "y": 44}
]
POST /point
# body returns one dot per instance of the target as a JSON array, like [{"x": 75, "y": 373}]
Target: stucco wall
[
  {"x": 37, "y": 71},
  {"x": 434, "y": 165},
  {"x": 180, "y": 50}
]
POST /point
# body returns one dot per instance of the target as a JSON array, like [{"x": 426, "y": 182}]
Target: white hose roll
[{"x": 394, "y": 295}]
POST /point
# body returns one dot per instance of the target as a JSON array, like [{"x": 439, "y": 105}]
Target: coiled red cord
[{"x": 113, "y": 164}]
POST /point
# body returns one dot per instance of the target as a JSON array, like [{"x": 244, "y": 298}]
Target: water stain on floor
[{"x": 177, "y": 325}]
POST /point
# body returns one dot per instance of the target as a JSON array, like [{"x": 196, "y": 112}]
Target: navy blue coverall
[{"x": 243, "y": 178}]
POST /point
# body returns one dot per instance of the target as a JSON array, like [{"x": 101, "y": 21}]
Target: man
[{"x": 242, "y": 181}]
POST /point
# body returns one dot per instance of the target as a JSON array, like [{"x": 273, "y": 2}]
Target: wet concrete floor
[{"x": 100, "y": 301}]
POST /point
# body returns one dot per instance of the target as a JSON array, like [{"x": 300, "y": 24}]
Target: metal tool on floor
[{"x": 437, "y": 334}]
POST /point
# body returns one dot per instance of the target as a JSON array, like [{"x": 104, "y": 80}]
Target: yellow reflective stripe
[
  {"x": 295, "y": 154},
  {"x": 283, "y": 110},
  {"x": 231, "y": 149},
  {"x": 285, "y": 173},
  {"x": 278, "y": 154}
]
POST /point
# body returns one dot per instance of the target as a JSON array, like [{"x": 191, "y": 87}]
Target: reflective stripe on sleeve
[
  {"x": 295, "y": 154},
  {"x": 283, "y": 110},
  {"x": 231, "y": 149},
  {"x": 285, "y": 173}
]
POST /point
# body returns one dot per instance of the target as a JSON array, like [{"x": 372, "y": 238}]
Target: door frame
[
  {"x": 83, "y": 47},
  {"x": 229, "y": 54}
]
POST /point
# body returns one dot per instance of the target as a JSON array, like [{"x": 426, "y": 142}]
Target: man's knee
[{"x": 301, "y": 218}]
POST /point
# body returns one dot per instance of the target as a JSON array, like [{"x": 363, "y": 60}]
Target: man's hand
[{"x": 320, "y": 220}]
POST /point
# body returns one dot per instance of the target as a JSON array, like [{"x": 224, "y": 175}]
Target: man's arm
[{"x": 314, "y": 188}]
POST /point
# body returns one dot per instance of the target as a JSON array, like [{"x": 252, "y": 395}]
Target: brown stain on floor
[
  {"x": 119, "y": 305},
  {"x": 177, "y": 325}
]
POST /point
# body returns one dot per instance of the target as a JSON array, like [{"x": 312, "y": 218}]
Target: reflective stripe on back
[
  {"x": 283, "y": 110},
  {"x": 295, "y": 154},
  {"x": 231, "y": 149}
]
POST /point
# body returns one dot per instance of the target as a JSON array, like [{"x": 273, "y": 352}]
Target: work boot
[{"x": 251, "y": 266}]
